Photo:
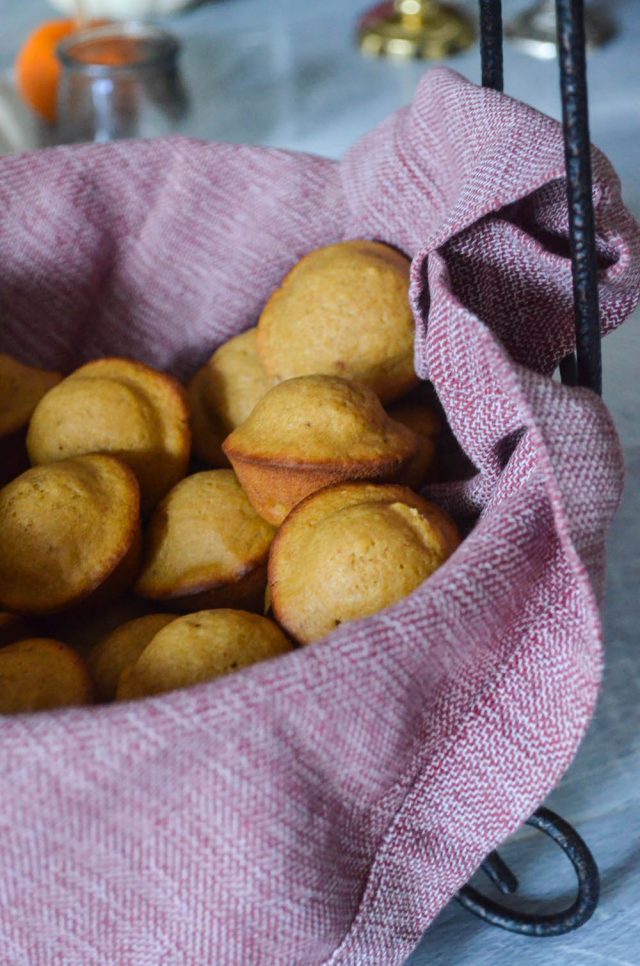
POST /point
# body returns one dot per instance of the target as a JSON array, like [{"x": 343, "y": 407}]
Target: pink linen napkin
[{"x": 323, "y": 807}]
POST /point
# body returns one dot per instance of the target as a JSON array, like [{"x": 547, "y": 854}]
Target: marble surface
[{"x": 287, "y": 74}]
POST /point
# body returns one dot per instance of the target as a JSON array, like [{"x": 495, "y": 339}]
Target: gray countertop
[{"x": 287, "y": 74}]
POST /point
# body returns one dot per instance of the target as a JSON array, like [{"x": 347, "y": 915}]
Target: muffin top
[
  {"x": 204, "y": 533},
  {"x": 121, "y": 407},
  {"x": 343, "y": 310},
  {"x": 39, "y": 674},
  {"x": 122, "y": 647},
  {"x": 206, "y": 433},
  {"x": 21, "y": 389},
  {"x": 64, "y": 528},
  {"x": 234, "y": 381},
  {"x": 350, "y": 550},
  {"x": 324, "y": 420},
  {"x": 199, "y": 647},
  {"x": 422, "y": 419},
  {"x": 426, "y": 424}
]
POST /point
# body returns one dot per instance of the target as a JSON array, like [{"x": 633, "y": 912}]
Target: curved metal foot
[{"x": 525, "y": 923}]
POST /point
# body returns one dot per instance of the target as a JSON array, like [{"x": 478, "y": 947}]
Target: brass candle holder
[
  {"x": 415, "y": 28},
  {"x": 535, "y": 30}
]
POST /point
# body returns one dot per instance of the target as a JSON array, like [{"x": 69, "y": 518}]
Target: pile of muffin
[{"x": 123, "y": 574}]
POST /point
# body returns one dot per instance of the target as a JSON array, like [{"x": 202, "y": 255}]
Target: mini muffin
[
  {"x": 206, "y": 546},
  {"x": 12, "y": 628},
  {"x": 69, "y": 534},
  {"x": 83, "y": 627},
  {"x": 344, "y": 311},
  {"x": 123, "y": 647},
  {"x": 222, "y": 395},
  {"x": 21, "y": 389},
  {"x": 39, "y": 674},
  {"x": 199, "y": 647},
  {"x": 351, "y": 550},
  {"x": 120, "y": 407},
  {"x": 309, "y": 432},
  {"x": 206, "y": 435},
  {"x": 426, "y": 424}
]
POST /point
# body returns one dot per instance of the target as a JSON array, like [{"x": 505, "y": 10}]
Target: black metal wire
[
  {"x": 491, "y": 44},
  {"x": 575, "y": 113},
  {"x": 584, "y": 370},
  {"x": 528, "y": 924}
]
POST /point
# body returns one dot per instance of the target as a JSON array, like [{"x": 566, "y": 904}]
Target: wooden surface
[{"x": 287, "y": 74}]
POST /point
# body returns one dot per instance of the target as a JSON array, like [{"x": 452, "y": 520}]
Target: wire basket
[{"x": 582, "y": 368}]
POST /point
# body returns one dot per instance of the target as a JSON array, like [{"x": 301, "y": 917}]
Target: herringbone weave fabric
[{"x": 322, "y": 807}]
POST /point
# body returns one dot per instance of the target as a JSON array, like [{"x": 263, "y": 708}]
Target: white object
[
  {"x": 18, "y": 125},
  {"x": 121, "y": 9}
]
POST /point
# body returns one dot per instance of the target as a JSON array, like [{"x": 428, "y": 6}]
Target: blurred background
[{"x": 291, "y": 75}]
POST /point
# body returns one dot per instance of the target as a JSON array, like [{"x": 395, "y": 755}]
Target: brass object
[
  {"x": 534, "y": 31},
  {"x": 415, "y": 28}
]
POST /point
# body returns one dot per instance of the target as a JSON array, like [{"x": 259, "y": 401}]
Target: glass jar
[{"x": 119, "y": 81}]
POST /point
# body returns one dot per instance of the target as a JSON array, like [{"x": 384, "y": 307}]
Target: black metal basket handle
[
  {"x": 528, "y": 924},
  {"x": 584, "y": 368}
]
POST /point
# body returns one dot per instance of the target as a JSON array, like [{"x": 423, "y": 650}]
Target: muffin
[
  {"x": 39, "y": 674},
  {"x": 199, "y": 647},
  {"x": 120, "y": 407},
  {"x": 351, "y": 550},
  {"x": 222, "y": 395},
  {"x": 343, "y": 311},
  {"x": 426, "y": 424},
  {"x": 205, "y": 546},
  {"x": 69, "y": 534},
  {"x": 21, "y": 389},
  {"x": 83, "y": 627},
  {"x": 206, "y": 435},
  {"x": 122, "y": 647},
  {"x": 309, "y": 432}
]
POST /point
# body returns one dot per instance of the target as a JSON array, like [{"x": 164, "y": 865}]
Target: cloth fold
[{"x": 324, "y": 806}]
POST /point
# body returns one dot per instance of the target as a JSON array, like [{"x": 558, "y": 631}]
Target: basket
[{"x": 323, "y": 807}]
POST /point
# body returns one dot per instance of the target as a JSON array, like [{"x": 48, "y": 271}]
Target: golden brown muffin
[
  {"x": 200, "y": 647},
  {"x": 206, "y": 546},
  {"x": 83, "y": 627},
  {"x": 351, "y": 550},
  {"x": 39, "y": 674},
  {"x": 121, "y": 407},
  {"x": 418, "y": 416},
  {"x": 21, "y": 389},
  {"x": 123, "y": 647},
  {"x": 235, "y": 381},
  {"x": 12, "y": 628},
  {"x": 222, "y": 395},
  {"x": 344, "y": 311},
  {"x": 69, "y": 533},
  {"x": 307, "y": 433},
  {"x": 206, "y": 435},
  {"x": 426, "y": 424}
]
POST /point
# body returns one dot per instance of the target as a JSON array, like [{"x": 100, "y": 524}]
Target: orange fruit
[{"x": 38, "y": 69}]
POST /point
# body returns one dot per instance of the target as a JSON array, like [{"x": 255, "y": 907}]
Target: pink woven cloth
[{"x": 322, "y": 807}]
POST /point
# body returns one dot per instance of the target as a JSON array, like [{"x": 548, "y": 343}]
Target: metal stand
[
  {"x": 583, "y": 369},
  {"x": 553, "y": 924}
]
